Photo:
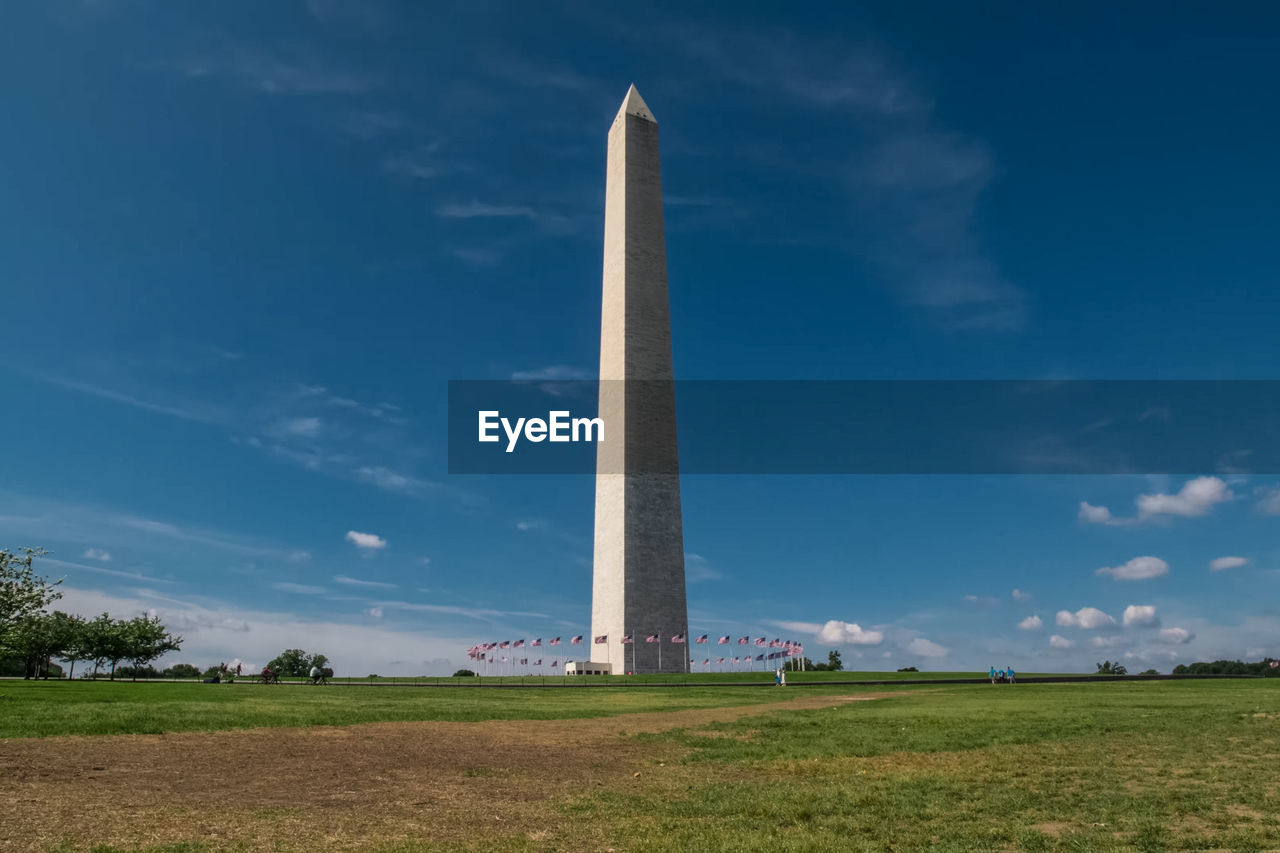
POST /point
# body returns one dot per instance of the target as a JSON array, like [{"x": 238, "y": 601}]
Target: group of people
[{"x": 1003, "y": 676}]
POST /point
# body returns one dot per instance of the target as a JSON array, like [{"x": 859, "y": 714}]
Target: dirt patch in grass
[{"x": 331, "y": 787}]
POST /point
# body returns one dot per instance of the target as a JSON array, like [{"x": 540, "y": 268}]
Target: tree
[
  {"x": 464, "y": 673},
  {"x": 908, "y": 669},
  {"x": 105, "y": 642},
  {"x": 73, "y": 644},
  {"x": 181, "y": 670},
  {"x": 1109, "y": 668},
  {"x": 40, "y": 637},
  {"x": 833, "y": 661},
  {"x": 145, "y": 638},
  {"x": 296, "y": 663},
  {"x": 22, "y": 593}
]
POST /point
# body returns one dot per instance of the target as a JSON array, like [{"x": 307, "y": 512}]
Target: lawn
[
  {"x": 1110, "y": 766},
  {"x": 1120, "y": 766},
  {"x": 42, "y": 709}
]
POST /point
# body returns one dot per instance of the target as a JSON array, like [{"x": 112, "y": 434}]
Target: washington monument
[{"x": 638, "y": 586}]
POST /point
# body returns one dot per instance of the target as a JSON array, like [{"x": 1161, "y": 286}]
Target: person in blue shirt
[
  {"x": 1012, "y": 678},
  {"x": 993, "y": 675},
  {"x": 1000, "y": 674}
]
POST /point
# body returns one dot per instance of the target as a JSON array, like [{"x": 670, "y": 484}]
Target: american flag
[
  {"x": 504, "y": 658},
  {"x": 701, "y": 639},
  {"x": 706, "y": 661},
  {"x": 536, "y": 642},
  {"x": 677, "y": 638},
  {"x": 628, "y": 640},
  {"x": 735, "y": 660},
  {"x": 603, "y": 638},
  {"x": 504, "y": 644},
  {"x": 555, "y": 663},
  {"x": 652, "y": 638},
  {"x": 724, "y": 641},
  {"x": 517, "y": 644},
  {"x": 760, "y": 641},
  {"x": 1275, "y": 663},
  {"x": 577, "y": 641},
  {"x": 524, "y": 661},
  {"x": 554, "y": 642},
  {"x": 538, "y": 662},
  {"x": 759, "y": 657},
  {"x": 743, "y": 641},
  {"x": 719, "y": 660}
]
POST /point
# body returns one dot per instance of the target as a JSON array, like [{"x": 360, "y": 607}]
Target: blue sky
[{"x": 243, "y": 247}]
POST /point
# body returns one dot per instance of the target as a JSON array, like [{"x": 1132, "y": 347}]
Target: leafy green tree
[
  {"x": 144, "y": 639},
  {"x": 181, "y": 670},
  {"x": 39, "y": 638},
  {"x": 22, "y": 592},
  {"x": 105, "y": 642},
  {"x": 296, "y": 663},
  {"x": 833, "y": 661},
  {"x": 71, "y": 645},
  {"x": 464, "y": 673},
  {"x": 1109, "y": 668}
]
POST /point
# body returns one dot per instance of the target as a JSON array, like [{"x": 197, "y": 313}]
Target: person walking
[
  {"x": 1013, "y": 679},
  {"x": 993, "y": 675}
]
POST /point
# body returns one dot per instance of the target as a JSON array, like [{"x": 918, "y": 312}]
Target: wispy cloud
[
  {"x": 101, "y": 570},
  {"x": 299, "y": 71},
  {"x": 96, "y": 554},
  {"x": 918, "y": 180},
  {"x": 349, "y": 581},
  {"x": 298, "y": 588}
]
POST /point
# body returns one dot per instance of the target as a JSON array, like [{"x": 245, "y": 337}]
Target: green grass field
[
  {"x": 1121, "y": 766},
  {"x": 1112, "y": 766},
  {"x": 42, "y": 709}
]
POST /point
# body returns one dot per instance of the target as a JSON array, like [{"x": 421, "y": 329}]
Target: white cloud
[
  {"x": 1097, "y": 514},
  {"x": 839, "y": 633},
  {"x": 1088, "y": 618},
  {"x": 1224, "y": 563},
  {"x": 1140, "y": 616},
  {"x": 1019, "y": 595},
  {"x": 797, "y": 627},
  {"x": 298, "y": 556},
  {"x": 1139, "y": 568},
  {"x": 1106, "y": 642},
  {"x": 1060, "y": 642},
  {"x": 357, "y": 582},
  {"x": 1176, "y": 636},
  {"x": 1031, "y": 623},
  {"x": 367, "y": 541},
  {"x": 981, "y": 600},
  {"x": 1196, "y": 497},
  {"x": 299, "y": 588},
  {"x": 697, "y": 569},
  {"x": 302, "y": 427},
  {"x": 1269, "y": 501},
  {"x": 97, "y": 554},
  {"x": 554, "y": 373},
  {"x": 222, "y": 631},
  {"x": 374, "y": 612},
  {"x": 926, "y": 648}
]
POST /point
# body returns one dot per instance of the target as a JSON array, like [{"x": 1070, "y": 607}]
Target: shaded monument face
[{"x": 638, "y": 587}]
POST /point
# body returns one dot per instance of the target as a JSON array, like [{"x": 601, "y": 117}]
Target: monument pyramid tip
[{"x": 634, "y": 105}]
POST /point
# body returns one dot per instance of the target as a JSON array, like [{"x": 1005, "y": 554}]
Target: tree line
[
  {"x": 32, "y": 637},
  {"x": 1265, "y": 667}
]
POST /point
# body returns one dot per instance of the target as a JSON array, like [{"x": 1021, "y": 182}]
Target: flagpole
[{"x": 659, "y": 650}]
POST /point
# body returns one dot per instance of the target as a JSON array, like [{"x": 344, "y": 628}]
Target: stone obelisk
[{"x": 638, "y": 584}]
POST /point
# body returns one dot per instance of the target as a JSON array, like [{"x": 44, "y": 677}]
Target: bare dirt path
[{"x": 329, "y": 787}]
